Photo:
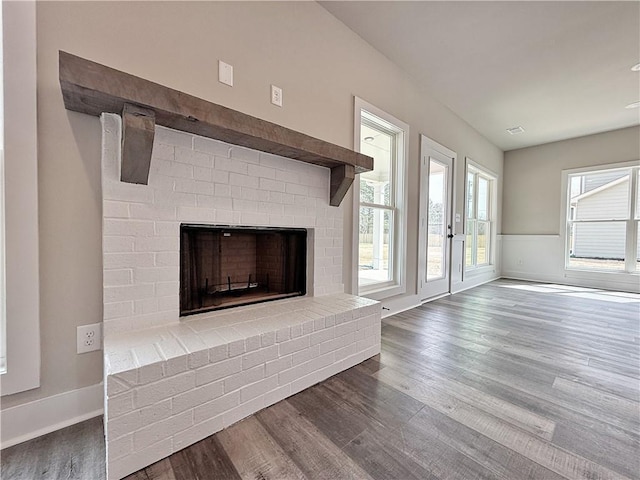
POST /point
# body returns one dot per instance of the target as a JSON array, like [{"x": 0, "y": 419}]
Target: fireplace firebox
[{"x": 225, "y": 266}]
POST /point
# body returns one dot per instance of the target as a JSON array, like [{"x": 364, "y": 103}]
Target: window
[
  {"x": 480, "y": 207},
  {"x": 20, "y": 216},
  {"x": 3, "y": 330},
  {"x": 602, "y": 222},
  {"x": 380, "y": 203}
]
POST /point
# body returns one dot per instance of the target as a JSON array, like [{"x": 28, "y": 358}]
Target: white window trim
[
  {"x": 581, "y": 273},
  {"x": 21, "y": 199},
  {"x": 390, "y": 289},
  {"x": 3, "y": 291},
  {"x": 472, "y": 271}
]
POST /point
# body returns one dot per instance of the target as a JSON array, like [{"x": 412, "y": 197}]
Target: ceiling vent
[{"x": 515, "y": 130}]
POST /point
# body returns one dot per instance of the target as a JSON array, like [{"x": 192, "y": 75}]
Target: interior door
[{"x": 436, "y": 228}]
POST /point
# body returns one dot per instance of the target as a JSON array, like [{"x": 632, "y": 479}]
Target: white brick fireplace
[
  {"x": 198, "y": 180},
  {"x": 171, "y": 382}
]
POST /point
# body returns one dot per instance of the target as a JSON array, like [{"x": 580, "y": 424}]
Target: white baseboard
[
  {"x": 437, "y": 297},
  {"x": 392, "y": 307},
  {"x": 533, "y": 277},
  {"x": 476, "y": 283},
  {"x": 402, "y": 304},
  {"x": 33, "y": 419},
  {"x": 595, "y": 280}
]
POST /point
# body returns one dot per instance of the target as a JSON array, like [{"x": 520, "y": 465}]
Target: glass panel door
[{"x": 436, "y": 221}]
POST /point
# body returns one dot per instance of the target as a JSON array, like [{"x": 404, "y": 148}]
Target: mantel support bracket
[
  {"x": 138, "y": 130},
  {"x": 341, "y": 179}
]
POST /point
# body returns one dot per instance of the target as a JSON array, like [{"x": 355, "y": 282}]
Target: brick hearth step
[{"x": 171, "y": 386}]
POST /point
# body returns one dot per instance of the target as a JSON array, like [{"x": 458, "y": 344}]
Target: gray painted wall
[{"x": 532, "y": 177}]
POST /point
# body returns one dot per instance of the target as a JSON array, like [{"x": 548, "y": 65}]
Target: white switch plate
[
  {"x": 225, "y": 73},
  {"x": 276, "y": 95},
  {"x": 89, "y": 338}
]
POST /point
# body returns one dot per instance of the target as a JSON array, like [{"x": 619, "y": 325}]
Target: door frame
[{"x": 428, "y": 146}]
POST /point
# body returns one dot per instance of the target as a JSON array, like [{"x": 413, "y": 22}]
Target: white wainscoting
[
  {"x": 540, "y": 258},
  {"x": 532, "y": 257}
]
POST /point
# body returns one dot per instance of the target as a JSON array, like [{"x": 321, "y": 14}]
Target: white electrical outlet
[
  {"x": 276, "y": 95},
  {"x": 225, "y": 73},
  {"x": 89, "y": 338}
]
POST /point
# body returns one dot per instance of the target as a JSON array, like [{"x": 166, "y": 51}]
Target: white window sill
[
  {"x": 478, "y": 271},
  {"x": 579, "y": 272},
  {"x": 381, "y": 292}
]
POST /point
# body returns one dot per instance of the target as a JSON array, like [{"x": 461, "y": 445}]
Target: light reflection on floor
[{"x": 579, "y": 292}]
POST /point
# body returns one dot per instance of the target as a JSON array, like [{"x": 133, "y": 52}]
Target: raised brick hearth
[{"x": 171, "y": 386}]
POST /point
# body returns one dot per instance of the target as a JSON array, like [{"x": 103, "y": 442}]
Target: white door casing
[{"x": 436, "y": 226}]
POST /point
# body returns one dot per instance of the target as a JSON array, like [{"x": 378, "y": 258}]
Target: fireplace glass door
[{"x": 222, "y": 266}]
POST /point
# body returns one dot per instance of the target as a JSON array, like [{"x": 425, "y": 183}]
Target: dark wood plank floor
[
  {"x": 510, "y": 380},
  {"x": 75, "y": 452}
]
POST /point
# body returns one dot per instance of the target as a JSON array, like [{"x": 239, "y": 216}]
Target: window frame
[
  {"x": 631, "y": 221},
  {"x": 3, "y": 291},
  {"x": 480, "y": 171},
  {"x": 398, "y": 173},
  {"x": 21, "y": 199}
]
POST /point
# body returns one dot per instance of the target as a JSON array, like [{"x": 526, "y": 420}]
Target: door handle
[{"x": 450, "y": 235}]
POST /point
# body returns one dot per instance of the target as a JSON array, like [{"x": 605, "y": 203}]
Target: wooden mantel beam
[{"x": 92, "y": 88}]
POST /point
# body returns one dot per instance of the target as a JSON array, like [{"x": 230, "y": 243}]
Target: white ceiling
[{"x": 559, "y": 69}]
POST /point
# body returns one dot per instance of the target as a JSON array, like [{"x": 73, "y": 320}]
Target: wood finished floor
[{"x": 510, "y": 380}]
